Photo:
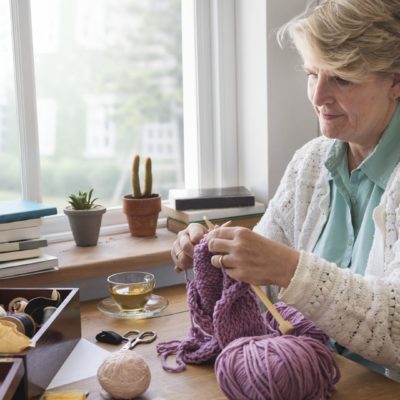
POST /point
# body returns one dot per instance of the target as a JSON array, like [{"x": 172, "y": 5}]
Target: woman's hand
[
  {"x": 252, "y": 258},
  {"x": 183, "y": 247}
]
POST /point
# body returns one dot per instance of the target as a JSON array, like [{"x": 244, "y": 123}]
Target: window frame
[
  {"x": 209, "y": 84},
  {"x": 210, "y": 125}
]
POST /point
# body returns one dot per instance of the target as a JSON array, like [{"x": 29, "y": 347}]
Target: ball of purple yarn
[{"x": 277, "y": 368}]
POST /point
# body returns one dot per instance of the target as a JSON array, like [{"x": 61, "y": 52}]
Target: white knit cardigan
[{"x": 361, "y": 313}]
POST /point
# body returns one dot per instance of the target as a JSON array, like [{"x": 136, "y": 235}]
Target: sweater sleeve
[
  {"x": 280, "y": 209},
  {"x": 360, "y": 313}
]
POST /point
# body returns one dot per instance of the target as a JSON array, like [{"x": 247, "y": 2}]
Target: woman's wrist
[{"x": 291, "y": 261}]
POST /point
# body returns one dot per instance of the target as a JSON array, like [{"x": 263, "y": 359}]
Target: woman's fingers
[
  {"x": 183, "y": 247},
  {"x": 196, "y": 232},
  {"x": 226, "y": 240},
  {"x": 224, "y": 232},
  {"x": 250, "y": 257},
  {"x": 223, "y": 241},
  {"x": 220, "y": 261}
]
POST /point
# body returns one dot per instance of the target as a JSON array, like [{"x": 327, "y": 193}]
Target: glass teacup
[{"x": 131, "y": 290}]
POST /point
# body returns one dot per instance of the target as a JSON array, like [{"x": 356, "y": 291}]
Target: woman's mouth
[{"x": 329, "y": 117}]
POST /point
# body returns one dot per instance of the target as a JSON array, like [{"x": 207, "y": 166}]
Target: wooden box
[
  {"x": 54, "y": 341},
  {"x": 12, "y": 385}
]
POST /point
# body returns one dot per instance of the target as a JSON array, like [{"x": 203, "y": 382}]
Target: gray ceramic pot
[{"x": 85, "y": 224}]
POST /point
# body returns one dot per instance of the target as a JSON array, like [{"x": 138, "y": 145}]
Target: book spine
[
  {"x": 19, "y": 255},
  {"x": 13, "y": 235},
  {"x": 22, "y": 245},
  {"x": 30, "y": 266},
  {"x": 20, "y": 224},
  {"x": 175, "y": 226},
  {"x": 28, "y": 214},
  {"x": 218, "y": 202},
  {"x": 44, "y": 261},
  {"x": 20, "y": 272},
  {"x": 212, "y": 213}
]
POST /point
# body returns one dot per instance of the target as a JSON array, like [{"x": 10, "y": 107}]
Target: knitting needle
[
  {"x": 284, "y": 326},
  {"x": 210, "y": 225}
]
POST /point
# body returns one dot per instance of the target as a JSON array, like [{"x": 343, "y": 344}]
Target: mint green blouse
[{"x": 346, "y": 238}]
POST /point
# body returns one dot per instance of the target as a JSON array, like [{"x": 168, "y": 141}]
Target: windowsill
[{"x": 112, "y": 254}]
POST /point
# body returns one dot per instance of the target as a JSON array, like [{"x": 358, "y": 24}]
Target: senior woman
[{"x": 330, "y": 238}]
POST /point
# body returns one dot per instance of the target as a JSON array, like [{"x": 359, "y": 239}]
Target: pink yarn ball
[
  {"x": 283, "y": 367},
  {"x": 124, "y": 374}
]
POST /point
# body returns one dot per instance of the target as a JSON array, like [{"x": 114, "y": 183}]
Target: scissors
[{"x": 136, "y": 337}]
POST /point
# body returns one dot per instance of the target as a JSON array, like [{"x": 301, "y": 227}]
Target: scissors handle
[
  {"x": 130, "y": 337},
  {"x": 140, "y": 337},
  {"x": 146, "y": 337}
]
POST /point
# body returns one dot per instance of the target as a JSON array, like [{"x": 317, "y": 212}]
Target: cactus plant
[
  {"x": 148, "y": 178},
  {"x": 142, "y": 208}
]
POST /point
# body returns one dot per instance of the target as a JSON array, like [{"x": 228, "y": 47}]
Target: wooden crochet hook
[{"x": 285, "y": 327}]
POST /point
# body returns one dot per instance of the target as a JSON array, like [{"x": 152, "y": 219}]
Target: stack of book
[
  {"x": 235, "y": 204},
  {"x": 21, "y": 243}
]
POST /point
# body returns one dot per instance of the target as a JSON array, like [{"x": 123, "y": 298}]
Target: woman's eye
[
  {"x": 312, "y": 75},
  {"x": 341, "y": 81}
]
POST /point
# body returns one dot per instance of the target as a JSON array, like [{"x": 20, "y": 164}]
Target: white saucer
[{"x": 155, "y": 305}]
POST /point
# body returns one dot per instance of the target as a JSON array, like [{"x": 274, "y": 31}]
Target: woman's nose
[{"x": 321, "y": 92}]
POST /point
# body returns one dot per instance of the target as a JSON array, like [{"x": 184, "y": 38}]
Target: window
[
  {"x": 47, "y": 112},
  {"x": 109, "y": 69},
  {"x": 10, "y": 166},
  {"x": 102, "y": 80},
  {"x": 100, "y": 128}
]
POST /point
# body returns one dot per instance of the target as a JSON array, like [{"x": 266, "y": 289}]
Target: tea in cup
[{"x": 131, "y": 290}]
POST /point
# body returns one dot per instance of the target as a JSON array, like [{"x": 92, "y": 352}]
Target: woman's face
[{"x": 356, "y": 113}]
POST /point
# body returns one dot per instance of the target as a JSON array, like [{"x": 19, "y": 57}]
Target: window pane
[
  {"x": 10, "y": 166},
  {"x": 109, "y": 85}
]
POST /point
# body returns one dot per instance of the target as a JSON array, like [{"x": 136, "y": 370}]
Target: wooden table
[{"x": 198, "y": 382}]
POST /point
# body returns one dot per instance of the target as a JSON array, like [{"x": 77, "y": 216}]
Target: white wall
[{"x": 274, "y": 115}]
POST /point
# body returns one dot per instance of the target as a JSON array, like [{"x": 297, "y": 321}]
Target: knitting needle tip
[
  {"x": 177, "y": 269},
  {"x": 210, "y": 225}
]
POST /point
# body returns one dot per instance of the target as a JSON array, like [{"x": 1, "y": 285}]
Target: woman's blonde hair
[{"x": 352, "y": 38}]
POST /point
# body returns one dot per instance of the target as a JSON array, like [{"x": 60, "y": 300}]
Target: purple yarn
[
  {"x": 253, "y": 360},
  {"x": 278, "y": 368},
  {"x": 237, "y": 313},
  {"x": 221, "y": 310},
  {"x": 301, "y": 325}
]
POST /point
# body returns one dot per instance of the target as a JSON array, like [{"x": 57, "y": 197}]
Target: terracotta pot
[
  {"x": 142, "y": 214},
  {"x": 85, "y": 224}
]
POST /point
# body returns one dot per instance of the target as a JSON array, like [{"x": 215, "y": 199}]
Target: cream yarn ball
[{"x": 124, "y": 374}]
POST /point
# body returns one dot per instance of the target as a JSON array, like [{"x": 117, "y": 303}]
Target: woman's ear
[{"x": 396, "y": 85}]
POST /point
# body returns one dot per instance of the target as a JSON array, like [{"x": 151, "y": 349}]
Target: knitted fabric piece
[
  {"x": 219, "y": 305},
  {"x": 221, "y": 311}
]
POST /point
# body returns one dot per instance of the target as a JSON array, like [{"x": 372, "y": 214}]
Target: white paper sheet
[{"x": 82, "y": 363}]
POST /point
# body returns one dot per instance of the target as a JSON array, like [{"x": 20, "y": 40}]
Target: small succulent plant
[
  {"x": 148, "y": 178},
  {"x": 82, "y": 200}
]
